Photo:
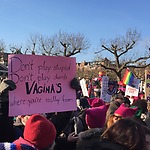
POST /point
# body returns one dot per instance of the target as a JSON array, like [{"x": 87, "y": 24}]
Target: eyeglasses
[{"x": 117, "y": 117}]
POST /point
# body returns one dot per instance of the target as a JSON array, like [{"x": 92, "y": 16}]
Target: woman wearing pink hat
[{"x": 123, "y": 111}]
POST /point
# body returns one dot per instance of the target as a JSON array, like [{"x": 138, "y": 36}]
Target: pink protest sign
[{"x": 43, "y": 84}]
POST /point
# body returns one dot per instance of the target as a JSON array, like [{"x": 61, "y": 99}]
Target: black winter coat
[{"x": 90, "y": 140}]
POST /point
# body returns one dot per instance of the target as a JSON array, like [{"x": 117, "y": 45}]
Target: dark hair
[
  {"x": 126, "y": 100},
  {"x": 74, "y": 84},
  {"x": 142, "y": 104},
  {"x": 118, "y": 96},
  {"x": 139, "y": 120},
  {"x": 146, "y": 129},
  {"x": 126, "y": 132}
]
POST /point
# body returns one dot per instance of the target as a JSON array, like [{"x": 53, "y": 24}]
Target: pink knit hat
[
  {"x": 125, "y": 112},
  {"x": 96, "y": 116},
  {"x": 95, "y": 102},
  {"x": 39, "y": 131}
]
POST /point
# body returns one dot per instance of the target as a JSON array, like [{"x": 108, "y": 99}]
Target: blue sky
[{"x": 96, "y": 19}]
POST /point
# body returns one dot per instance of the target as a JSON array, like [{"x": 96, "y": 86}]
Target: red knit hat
[
  {"x": 125, "y": 112},
  {"x": 96, "y": 116},
  {"x": 95, "y": 102},
  {"x": 39, "y": 131}
]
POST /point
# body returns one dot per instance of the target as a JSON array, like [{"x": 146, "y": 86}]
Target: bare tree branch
[{"x": 121, "y": 49}]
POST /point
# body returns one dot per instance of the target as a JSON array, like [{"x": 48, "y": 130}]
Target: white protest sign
[
  {"x": 130, "y": 91},
  {"x": 104, "y": 88},
  {"x": 147, "y": 85},
  {"x": 83, "y": 87}
]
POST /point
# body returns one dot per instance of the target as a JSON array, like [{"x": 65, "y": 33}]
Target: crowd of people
[{"x": 96, "y": 125}]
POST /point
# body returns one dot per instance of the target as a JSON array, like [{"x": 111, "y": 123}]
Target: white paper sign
[
  {"x": 130, "y": 91},
  {"x": 83, "y": 87},
  {"x": 104, "y": 95}
]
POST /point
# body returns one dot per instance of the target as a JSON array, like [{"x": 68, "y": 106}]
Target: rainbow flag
[{"x": 128, "y": 78}]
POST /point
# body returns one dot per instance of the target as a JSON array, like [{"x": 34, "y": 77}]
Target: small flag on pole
[{"x": 128, "y": 77}]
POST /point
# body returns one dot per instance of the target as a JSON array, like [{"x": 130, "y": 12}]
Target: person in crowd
[
  {"x": 74, "y": 84},
  {"x": 97, "y": 92},
  {"x": 112, "y": 89},
  {"x": 66, "y": 143},
  {"x": 96, "y": 116},
  {"x": 123, "y": 111},
  {"x": 83, "y": 103},
  {"x": 95, "y": 102},
  {"x": 145, "y": 126},
  {"x": 139, "y": 120},
  {"x": 147, "y": 121},
  {"x": 126, "y": 101},
  {"x": 7, "y": 132},
  {"x": 68, "y": 137},
  {"x": 142, "y": 105},
  {"x": 127, "y": 133},
  {"x": 95, "y": 119},
  {"x": 114, "y": 104},
  {"x": 39, "y": 133},
  {"x": 19, "y": 125},
  {"x": 147, "y": 132},
  {"x": 60, "y": 120},
  {"x": 141, "y": 95}
]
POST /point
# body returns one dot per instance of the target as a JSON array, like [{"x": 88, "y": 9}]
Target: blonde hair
[{"x": 109, "y": 122}]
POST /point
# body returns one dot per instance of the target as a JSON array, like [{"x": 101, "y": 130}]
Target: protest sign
[
  {"x": 131, "y": 91},
  {"x": 83, "y": 87},
  {"x": 104, "y": 89},
  {"x": 43, "y": 84},
  {"x": 147, "y": 85}
]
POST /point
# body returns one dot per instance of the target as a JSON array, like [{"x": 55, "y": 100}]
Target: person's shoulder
[
  {"x": 108, "y": 145},
  {"x": 90, "y": 133},
  {"x": 114, "y": 104}
]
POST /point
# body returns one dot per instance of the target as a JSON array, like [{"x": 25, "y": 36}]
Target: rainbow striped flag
[{"x": 128, "y": 78}]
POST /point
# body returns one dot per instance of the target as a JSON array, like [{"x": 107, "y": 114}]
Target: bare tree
[
  {"x": 71, "y": 44},
  {"x": 15, "y": 49},
  {"x": 47, "y": 45},
  {"x": 2, "y": 46},
  {"x": 60, "y": 44},
  {"x": 124, "y": 54},
  {"x": 2, "y": 49},
  {"x": 32, "y": 44},
  {"x": 40, "y": 44}
]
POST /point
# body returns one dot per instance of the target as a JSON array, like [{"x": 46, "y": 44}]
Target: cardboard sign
[{"x": 43, "y": 84}]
